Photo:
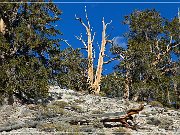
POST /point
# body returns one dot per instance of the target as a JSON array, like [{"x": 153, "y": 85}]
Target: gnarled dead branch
[{"x": 124, "y": 119}]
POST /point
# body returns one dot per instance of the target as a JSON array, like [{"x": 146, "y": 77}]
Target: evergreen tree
[
  {"x": 26, "y": 45},
  {"x": 70, "y": 69},
  {"x": 147, "y": 67},
  {"x": 112, "y": 85}
]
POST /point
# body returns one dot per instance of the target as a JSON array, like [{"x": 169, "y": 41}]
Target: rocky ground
[{"x": 69, "y": 112}]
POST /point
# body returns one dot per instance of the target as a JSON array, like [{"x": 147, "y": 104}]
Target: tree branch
[
  {"x": 176, "y": 45},
  {"x": 107, "y": 62},
  {"x": 168, "y": 49},
  {"x": 80, "y": 39},
  {"x": 168, "y": 46},
  {"x": 109, "y": 41},
  {"x": 87, "y": 18},
  {"x": 66, "y": 41},
  {"x": 88, "y": 45},
  {"x": 108, "y": 23},
  {"x": 81, "y": 21},
  {"x": 93, "y": 37},
  {"x": 98, "y": 45}
]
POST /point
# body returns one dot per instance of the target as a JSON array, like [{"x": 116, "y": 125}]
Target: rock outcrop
[{"x": 67, "y": 111}]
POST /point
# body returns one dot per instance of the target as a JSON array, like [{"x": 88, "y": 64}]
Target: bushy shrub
[
  {"x": 79, "y": 101},
  {"x": 121, "y": 131},
  {"x": 97, "y": 124},
  {"x": 61, "y": 127},
  {"x": 156, "y": 104},
  {"x": 153, "y": 121},
  {"x": 97, "y": 112},
  {"x": 77, "y": 108},
  {"x": 165, "y": 123},
  {"x": 60, "y": 104}
]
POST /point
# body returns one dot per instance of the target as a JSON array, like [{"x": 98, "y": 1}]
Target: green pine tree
[
  {"x": 25, "y": 49},
  {"x": 147, "y": 67}
]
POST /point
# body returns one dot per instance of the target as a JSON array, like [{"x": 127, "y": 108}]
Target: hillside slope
[{"x": 71, "y": 112}]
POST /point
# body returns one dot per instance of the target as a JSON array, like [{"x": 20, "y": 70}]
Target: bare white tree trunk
[
  {"x": 94, "y": 82},
  {"x": 90, "y": 58},
  {"x": 88, "y": 47},
  {"x": 2, "y": 26},
  {"x": 127, "y": 83}
]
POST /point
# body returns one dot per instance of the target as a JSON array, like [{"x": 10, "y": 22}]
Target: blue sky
[{"x": 111, "y": 11}]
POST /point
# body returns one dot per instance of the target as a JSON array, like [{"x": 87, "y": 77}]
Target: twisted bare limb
[{"x": 123, "y": 119}]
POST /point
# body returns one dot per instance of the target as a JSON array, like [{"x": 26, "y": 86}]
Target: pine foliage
[
  {"x": 25, "y": 48},
  {"x": 152, "y": 40}
]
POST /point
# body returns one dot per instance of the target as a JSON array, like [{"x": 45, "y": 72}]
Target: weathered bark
[
  {"x": 94, "y": 81},
  {"x": 96, "y": 84},
  {"x": 127, "y": 84},
  {"x": 168, "y": 97},
  {"x": 107, "y": 117},
  {"x": 89, "y": 47},
  {"x": 10, "y": 99},
  {"x": 90, "y": 58},
  {"x": 126, "y": 90},
  {"x": 176, "y": 89},
  {"x": 123, "y": 119},
  {"x": 2, "y": 26},
  {"x": 177, "y": 95}
]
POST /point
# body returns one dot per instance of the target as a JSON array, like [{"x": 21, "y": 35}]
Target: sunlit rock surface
[{"x": 67, "y": 111}]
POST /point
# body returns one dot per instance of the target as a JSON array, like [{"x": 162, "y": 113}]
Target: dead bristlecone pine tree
[{"x": 94, "y": 81}]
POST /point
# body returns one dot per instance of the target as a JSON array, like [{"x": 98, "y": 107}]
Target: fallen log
[
  {"x": 108, "y": 117},
  {"x": 124, "y": 119}
]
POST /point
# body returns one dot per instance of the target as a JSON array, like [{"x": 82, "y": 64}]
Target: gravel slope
[{"x": 67, "y": 106}]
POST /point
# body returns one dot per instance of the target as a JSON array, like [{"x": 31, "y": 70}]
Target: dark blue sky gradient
[{"x": 115, "y": 12}]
